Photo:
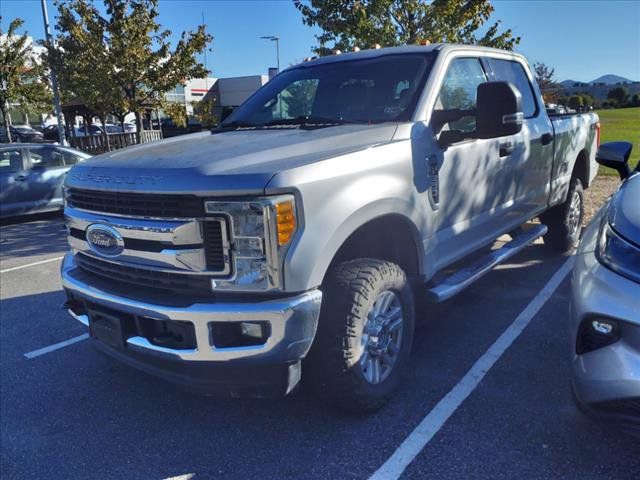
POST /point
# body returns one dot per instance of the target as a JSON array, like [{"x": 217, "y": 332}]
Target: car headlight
[
  {"x": 618, "y": 254},
  {"x": 261, "y": 231}
]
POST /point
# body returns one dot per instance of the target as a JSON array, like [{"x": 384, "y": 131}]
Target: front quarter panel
[{"x": 339, "y": 195}]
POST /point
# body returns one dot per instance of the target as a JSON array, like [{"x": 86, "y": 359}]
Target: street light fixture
[{"x": 275, "y": 38}]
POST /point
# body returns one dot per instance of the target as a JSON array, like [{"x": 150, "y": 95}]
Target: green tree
[
  {"x": 346, "y": 24},
  {"x": 545, "y": 76},
  {"x": 177, "y": 113},
  {"x": 587, "y": 99},
  {"x": 619, "y": 94},
  {"x": 22, "y": 78},
  {"x": 203, "y": 111},
  {"x": 83, "y": 65},
  {"x": 139, "y": 62},
  {"x": 635, "y": 100},
  {"x": 575, "y": 101}
]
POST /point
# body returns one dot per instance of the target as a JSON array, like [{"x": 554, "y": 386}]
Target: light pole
[
  {"x": 54, "y": 79},
  {"x": 275, "y": 38}
]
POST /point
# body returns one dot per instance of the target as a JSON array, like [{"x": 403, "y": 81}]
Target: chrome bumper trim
[
  {"x": 175, "y": 232},
  {"x": 293, "y": 321},
  {"x": 83, "y": 319},
  {"x": 180, "y": 236}
]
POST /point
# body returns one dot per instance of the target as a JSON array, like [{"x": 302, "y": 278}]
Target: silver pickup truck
[{"x": 296, "y": 238}]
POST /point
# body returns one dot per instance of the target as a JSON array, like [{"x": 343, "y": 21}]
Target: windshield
[{"x": 375, "y": 90}]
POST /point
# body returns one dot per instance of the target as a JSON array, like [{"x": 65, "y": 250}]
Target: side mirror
[
  {"x": 499, "y": 110},
  {"x": 615, "y": 155}
]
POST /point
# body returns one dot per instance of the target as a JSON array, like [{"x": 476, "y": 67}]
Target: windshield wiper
[
  {"x": 306, "y": 121},
  {"x": 223, "y": 127}
]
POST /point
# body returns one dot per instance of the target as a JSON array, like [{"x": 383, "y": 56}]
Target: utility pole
[
  {"x": 275, "y": 38},
  {"x": 54, "y": 78}
]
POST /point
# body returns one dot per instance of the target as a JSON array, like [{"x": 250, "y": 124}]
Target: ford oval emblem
[{"x": 105, "y": 240}]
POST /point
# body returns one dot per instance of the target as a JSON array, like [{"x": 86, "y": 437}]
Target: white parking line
[
  {"x": 56, "y": 346},
  {"x": 437, "y": 417},
  {"x": 20, "y": 267}
]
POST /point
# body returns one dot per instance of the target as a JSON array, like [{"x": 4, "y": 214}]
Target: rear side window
[
  {"x": 71, "y": 158},
  {"x": 45, "y": 158},
  {"x": 458, "y": 91},
  {"x": 509, "y": 71},
  {"x": 10, "y": 160}
]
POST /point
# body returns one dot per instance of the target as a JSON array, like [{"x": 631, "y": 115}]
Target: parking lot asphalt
[{"x": 73, "y": 413}]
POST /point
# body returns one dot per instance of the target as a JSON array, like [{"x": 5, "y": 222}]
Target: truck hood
[
  {"x": 234, "y": 162},
  {"x": 624, "y": 214}
]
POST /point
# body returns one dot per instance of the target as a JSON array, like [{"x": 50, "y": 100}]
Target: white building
[{"x": 227, "y": 93}]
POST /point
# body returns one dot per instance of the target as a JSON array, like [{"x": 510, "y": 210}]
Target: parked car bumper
[
  {"x": 270, "y": 369},
  {"x": 606, "y": 380}
]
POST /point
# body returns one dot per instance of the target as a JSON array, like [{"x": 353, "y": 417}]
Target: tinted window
[
  {"x": 509, "y": 71},
  {"x": 46, "y": 158},
  {"x": 359, "y": 91},
  {"x": 10, "y": 160},
  {"x": 296, "y": 99},
  {"x": 71, "y": 158},
  {"x": 458, "y": 91}
]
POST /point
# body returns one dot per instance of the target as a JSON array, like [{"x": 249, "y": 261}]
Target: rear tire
[
  {"x": 565, "y": 220},
  {"x": 364, "y": 335}
]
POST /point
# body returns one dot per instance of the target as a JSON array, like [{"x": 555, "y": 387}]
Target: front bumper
[
  {"x": 606, "y": 381},
  {"x": 270, "y": 368}
]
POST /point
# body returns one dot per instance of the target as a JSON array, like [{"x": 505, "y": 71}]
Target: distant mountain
[
  {"x": 608, "y": 79},
  {"x": 611, "y": 79}
]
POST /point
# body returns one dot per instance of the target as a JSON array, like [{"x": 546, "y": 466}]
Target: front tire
[
  {"x": 565, "y": 220},
  {"x": 364, "y": 335}
]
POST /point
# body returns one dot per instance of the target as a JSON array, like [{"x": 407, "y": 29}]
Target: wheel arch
[
  {"x": 392, "y": 237},
  {"x": 581, "y": 168}
]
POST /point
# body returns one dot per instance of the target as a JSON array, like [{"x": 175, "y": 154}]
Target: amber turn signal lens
[{"x": 286, "y": 221}]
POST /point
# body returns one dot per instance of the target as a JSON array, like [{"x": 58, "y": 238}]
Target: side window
[
  {"x": 10, "y": 161},
  {"x": 510, "y": 71},
  {"x": 45, "y": 158},
  {"x": 458, "y": 91}
]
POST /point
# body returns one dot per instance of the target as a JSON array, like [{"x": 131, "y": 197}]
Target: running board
[{"x": 464, "y": 277}]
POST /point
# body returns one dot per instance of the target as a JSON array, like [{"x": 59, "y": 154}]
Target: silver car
[
  {"x": 31, "y": 177},
  {"x": 605, "y": 308}
]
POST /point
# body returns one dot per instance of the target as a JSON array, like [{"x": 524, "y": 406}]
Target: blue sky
[{"x": 581, "y": 39}]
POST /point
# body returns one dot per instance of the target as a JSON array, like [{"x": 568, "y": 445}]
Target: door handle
[
  {"x": 506, "y": 149},
  {"x": 546, "y": 138},
  {"x": 20, "y": 178}
]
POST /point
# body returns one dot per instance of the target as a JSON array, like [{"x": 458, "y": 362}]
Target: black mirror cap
[
  {"x": 615, "y": 155},
  {"x": 499, "y": 110}
]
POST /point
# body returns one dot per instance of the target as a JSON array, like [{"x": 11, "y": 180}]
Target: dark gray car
[
  {"x": 31, "y": 177},
  {"x": 605, "y": 307}
]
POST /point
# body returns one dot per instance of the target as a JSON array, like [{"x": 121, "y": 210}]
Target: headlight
[
  {"x": 618, "y": 254},
  {"x": 261, "y": 232}
]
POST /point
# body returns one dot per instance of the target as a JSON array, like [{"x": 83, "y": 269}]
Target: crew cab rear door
[
  {"x": 532, "y": 158},
  {"x": 474, "y": 176}
]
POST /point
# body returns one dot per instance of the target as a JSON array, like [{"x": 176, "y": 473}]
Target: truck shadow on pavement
[
  {"x": 75, "y": 408},
  {"x": 38, "y": 235}
]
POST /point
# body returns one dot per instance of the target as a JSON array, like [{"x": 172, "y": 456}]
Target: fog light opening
[
  {"x": 595, "y": 333},
  {"x": 239, "y": 334}
]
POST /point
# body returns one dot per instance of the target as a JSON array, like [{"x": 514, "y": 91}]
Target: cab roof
[{"x": 379, "y": 52}]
